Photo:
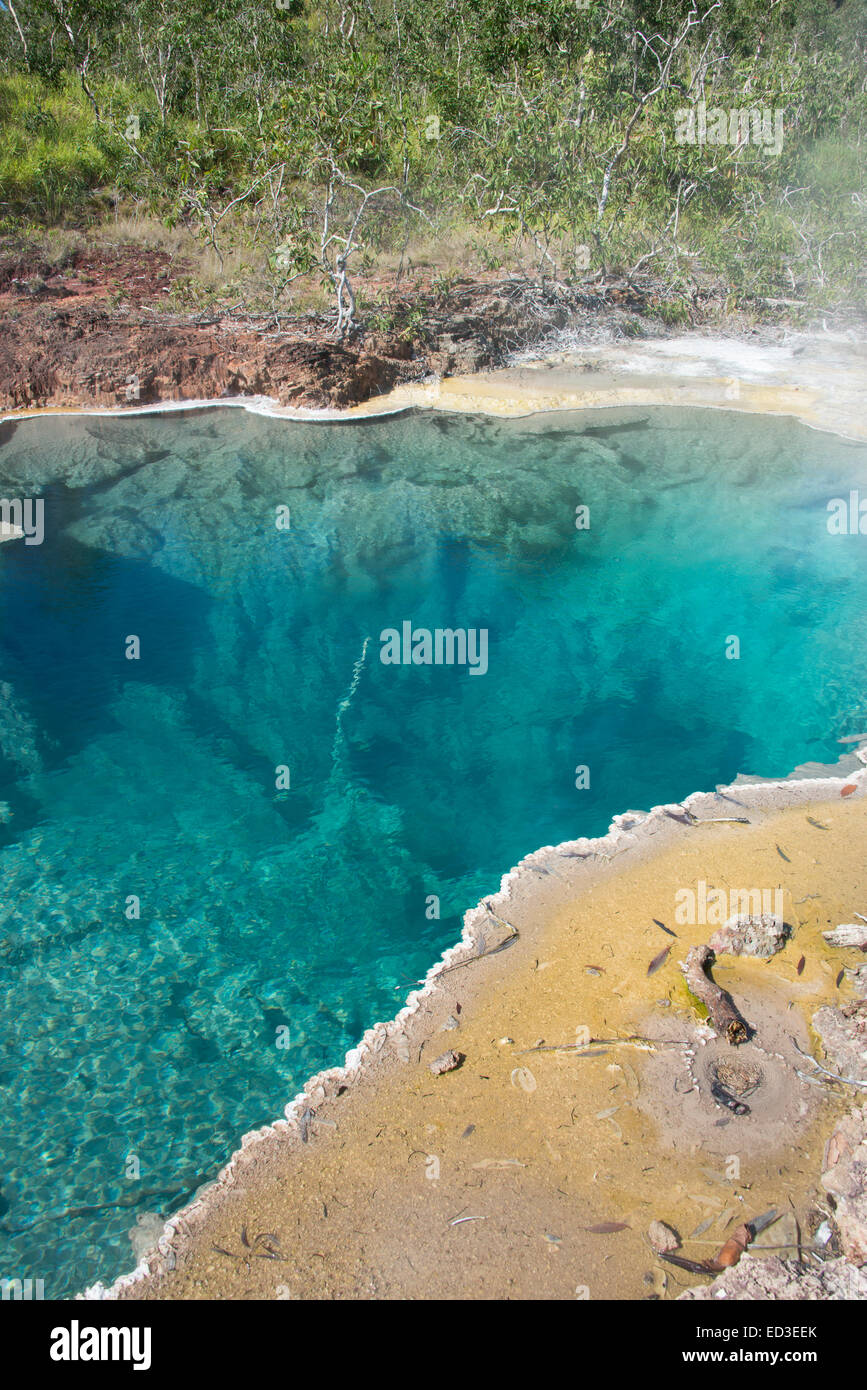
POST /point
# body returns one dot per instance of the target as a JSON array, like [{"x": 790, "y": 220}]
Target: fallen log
[{"x": 720, "y": 1006}]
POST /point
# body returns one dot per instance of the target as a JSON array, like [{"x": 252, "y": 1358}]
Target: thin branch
[{"x": 690, "y": 23}]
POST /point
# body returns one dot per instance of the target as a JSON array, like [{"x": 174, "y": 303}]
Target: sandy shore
[
  {"x": 819, "y": 380},
  {"x": 366, "y": 1190}
]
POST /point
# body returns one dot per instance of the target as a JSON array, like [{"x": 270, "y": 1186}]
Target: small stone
[
  {"x": 663, "y": 1238},
  {"x": 505, "y": 1042},
  {"x": 823, "y": 1235},
  {"x": 449, "y": 1061},
  {"x": 450, "y": 1023}
]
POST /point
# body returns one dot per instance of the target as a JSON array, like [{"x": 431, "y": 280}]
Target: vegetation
[{"x": 310, "y": 140}]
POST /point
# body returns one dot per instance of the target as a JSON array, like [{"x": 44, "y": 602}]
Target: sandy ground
[
  {"x": 817, "y": 379},
  {"x": 371, "y": 1195}
]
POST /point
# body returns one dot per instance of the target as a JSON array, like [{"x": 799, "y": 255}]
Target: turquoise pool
[{"x": 222, "y": 852}]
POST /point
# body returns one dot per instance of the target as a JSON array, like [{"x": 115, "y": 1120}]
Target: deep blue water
[{"x": 305, "y": 909}]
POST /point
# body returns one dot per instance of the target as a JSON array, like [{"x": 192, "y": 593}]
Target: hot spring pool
[{"x": 184, "y": 937}]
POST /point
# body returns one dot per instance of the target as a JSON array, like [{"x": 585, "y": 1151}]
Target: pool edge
[{"x": 629, "y": 830}]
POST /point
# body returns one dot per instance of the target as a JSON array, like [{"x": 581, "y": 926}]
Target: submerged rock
[{"x": 663, "y": 1238}]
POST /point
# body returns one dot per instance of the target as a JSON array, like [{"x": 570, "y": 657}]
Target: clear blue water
[{"x": 266, "y": 909}]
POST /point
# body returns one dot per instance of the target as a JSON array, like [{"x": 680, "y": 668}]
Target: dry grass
[
  {"x": 139, "y": 229},
  {"x": 458, "y": 248},
  {"x": 240, "y": 269}
]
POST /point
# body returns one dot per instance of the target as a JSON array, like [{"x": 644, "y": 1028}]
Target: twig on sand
[
  {"x": 510, "y": 941},
  {"x": 459, "y": 1218},
  {"x": 813, "y": 1080},
  {"x": 580, "y": 1049},
  {"x": 720, "y": 1006},
  {"x": 690, "y": 818},
  {"x": 789, "y": 1245},
  {"x": 480, "y": 955},
  {"x": 492, "y": 950},
  {"x": 849, "y": 1080},
  {"x": 722, "y": 820}
]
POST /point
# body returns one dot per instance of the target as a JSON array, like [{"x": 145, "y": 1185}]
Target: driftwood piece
[{"x": 720, "y": 1006}]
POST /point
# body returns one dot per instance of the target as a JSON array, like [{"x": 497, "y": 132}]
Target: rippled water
[{"x": 137, "y": 1050}]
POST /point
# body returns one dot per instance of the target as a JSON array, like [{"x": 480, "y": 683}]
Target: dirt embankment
[{"x": 98, "y": 332}]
